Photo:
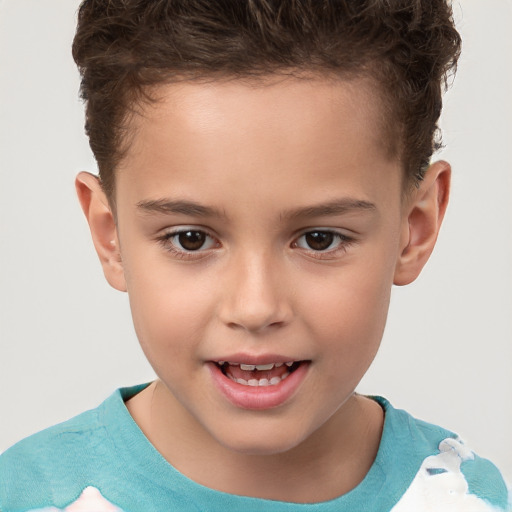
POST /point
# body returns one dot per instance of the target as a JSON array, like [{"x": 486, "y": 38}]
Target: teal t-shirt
[{"x": 100, "y": 461}]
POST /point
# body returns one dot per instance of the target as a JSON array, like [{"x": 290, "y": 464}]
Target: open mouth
[
  {"x": 268, "y": 384},
  {"x": 270, "y": 374}
]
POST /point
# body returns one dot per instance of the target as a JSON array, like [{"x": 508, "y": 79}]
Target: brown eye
[
  {"x": 323, "y": 244},
  {"x": 319, "y": 240},
  {"x": 188, "y": 243},
  {"x": 191, "y": 240}
]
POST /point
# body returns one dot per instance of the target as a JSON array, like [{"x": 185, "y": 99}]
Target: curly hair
[{"x": 125, "y": 47}]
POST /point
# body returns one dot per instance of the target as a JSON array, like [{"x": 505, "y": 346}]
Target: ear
[
  {"x": 422, "y": 218},
  {"x": 103, "y": 228}
]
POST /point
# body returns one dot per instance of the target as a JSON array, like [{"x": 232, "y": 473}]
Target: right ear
[{"x": 103, "y": 228}]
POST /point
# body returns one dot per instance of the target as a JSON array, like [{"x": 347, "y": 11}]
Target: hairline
[{"x": 147, "y": 95}]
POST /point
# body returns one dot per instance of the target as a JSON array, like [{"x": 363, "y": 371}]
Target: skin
[{"x": 262, "y": 156}]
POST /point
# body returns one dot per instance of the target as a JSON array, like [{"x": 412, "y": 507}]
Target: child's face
[{"x": 291, "y": 218}]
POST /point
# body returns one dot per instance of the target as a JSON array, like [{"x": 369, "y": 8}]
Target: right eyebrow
[{"x": 183, "y": 207}]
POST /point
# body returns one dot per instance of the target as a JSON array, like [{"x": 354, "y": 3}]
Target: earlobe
[
  {"x": 421, "y": 222},
  {"x": 103, "y": 228}
]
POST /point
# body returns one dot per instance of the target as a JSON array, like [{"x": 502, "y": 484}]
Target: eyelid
[
  {"x": 182, "y": 228},
  {"x": 343, "y": 233}
]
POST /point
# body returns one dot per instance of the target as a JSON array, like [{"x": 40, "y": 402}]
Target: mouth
[
  {"x": 258, "y": 375},
  {"x": 258, "y": 383}
]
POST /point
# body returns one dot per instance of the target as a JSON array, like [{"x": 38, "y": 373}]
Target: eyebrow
[
  {"x": 167, "y": 206},
  {"x": 183, "y": 207},
  {"x": 335, "y": 207}
]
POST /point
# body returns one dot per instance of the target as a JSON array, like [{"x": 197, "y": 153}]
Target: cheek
[
  {"x": 168, "y": 310},
  {"x": 351, "y": 334},
  {"x": 350, "y": 310}
]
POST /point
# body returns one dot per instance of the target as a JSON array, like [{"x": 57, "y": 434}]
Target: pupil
[
  {"x": 319, "y": 240},
  {"x": 191, "y": 240}
]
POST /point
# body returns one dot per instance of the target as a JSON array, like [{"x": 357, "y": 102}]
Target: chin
[
  {"x": 259, "y": 448},
  {"x": 261, "y": 441}
]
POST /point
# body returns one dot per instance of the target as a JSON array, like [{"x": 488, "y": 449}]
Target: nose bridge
[{"x": 255, "y": 297}]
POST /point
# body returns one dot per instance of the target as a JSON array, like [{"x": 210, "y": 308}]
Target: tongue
[{"x": 237, "y": 373}]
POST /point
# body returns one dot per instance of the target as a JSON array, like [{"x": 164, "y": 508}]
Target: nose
[{"x": 255, "y": 298}]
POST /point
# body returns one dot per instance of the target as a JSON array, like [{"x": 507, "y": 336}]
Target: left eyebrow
[
  {"x": 335, "y": 207},
  {"x": 168, "y": 206}
]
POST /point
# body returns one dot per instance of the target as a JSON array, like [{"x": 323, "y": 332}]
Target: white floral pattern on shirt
[
  {"x": 91, "y": 500},
  {"x": 440, "y": 485}
]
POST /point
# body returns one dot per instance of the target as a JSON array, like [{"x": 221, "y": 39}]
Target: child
[{"x": 264, "y": 180}]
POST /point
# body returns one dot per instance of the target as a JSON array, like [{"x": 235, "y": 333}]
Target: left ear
[{"x": 422, "y": 218}]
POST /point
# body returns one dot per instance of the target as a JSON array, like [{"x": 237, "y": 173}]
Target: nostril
[
  {"x": 254, "y": 306},
  {"x": 255, "y": 324}
]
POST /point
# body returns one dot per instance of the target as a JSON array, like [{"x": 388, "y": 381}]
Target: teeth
[
  {"x": 263, "y": 367},
  {"x": 261, "y": 382},
  {"x": 260, "y": 367}
]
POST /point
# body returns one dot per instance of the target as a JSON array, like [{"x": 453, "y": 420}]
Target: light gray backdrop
[{"x": 66, "y": 339}]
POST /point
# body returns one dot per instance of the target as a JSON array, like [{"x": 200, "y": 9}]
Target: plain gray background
[{"x": 66, "y": 340}]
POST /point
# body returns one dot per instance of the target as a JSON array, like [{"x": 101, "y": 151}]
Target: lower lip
[{"x": 258, "y": 397}]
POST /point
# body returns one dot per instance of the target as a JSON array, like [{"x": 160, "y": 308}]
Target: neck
[{"x": 329, "y": 463}]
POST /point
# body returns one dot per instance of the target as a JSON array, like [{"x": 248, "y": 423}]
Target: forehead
[
  {"x": 258, "y": 134},
  {"x": 302, "y": 104}
]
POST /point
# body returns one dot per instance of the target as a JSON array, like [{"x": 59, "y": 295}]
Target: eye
[
  {"x": 188, "y": 240},
  {"x": 321, "y": 240}
]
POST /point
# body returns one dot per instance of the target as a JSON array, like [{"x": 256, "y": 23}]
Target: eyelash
[{"x": 343, "y": 243}]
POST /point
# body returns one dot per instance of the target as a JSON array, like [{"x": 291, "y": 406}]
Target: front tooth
[
  {"x": 275, "y": 380},
  {"x": 242, "y": 381},
  {"x": 263, "y": 367},
  {"x": 253, "y": 382},
  {"x": 263, "y": 382},
  {"x": 248, "y": 367}
]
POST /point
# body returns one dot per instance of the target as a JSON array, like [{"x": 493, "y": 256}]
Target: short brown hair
[{"x": 123, "y": 47}]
